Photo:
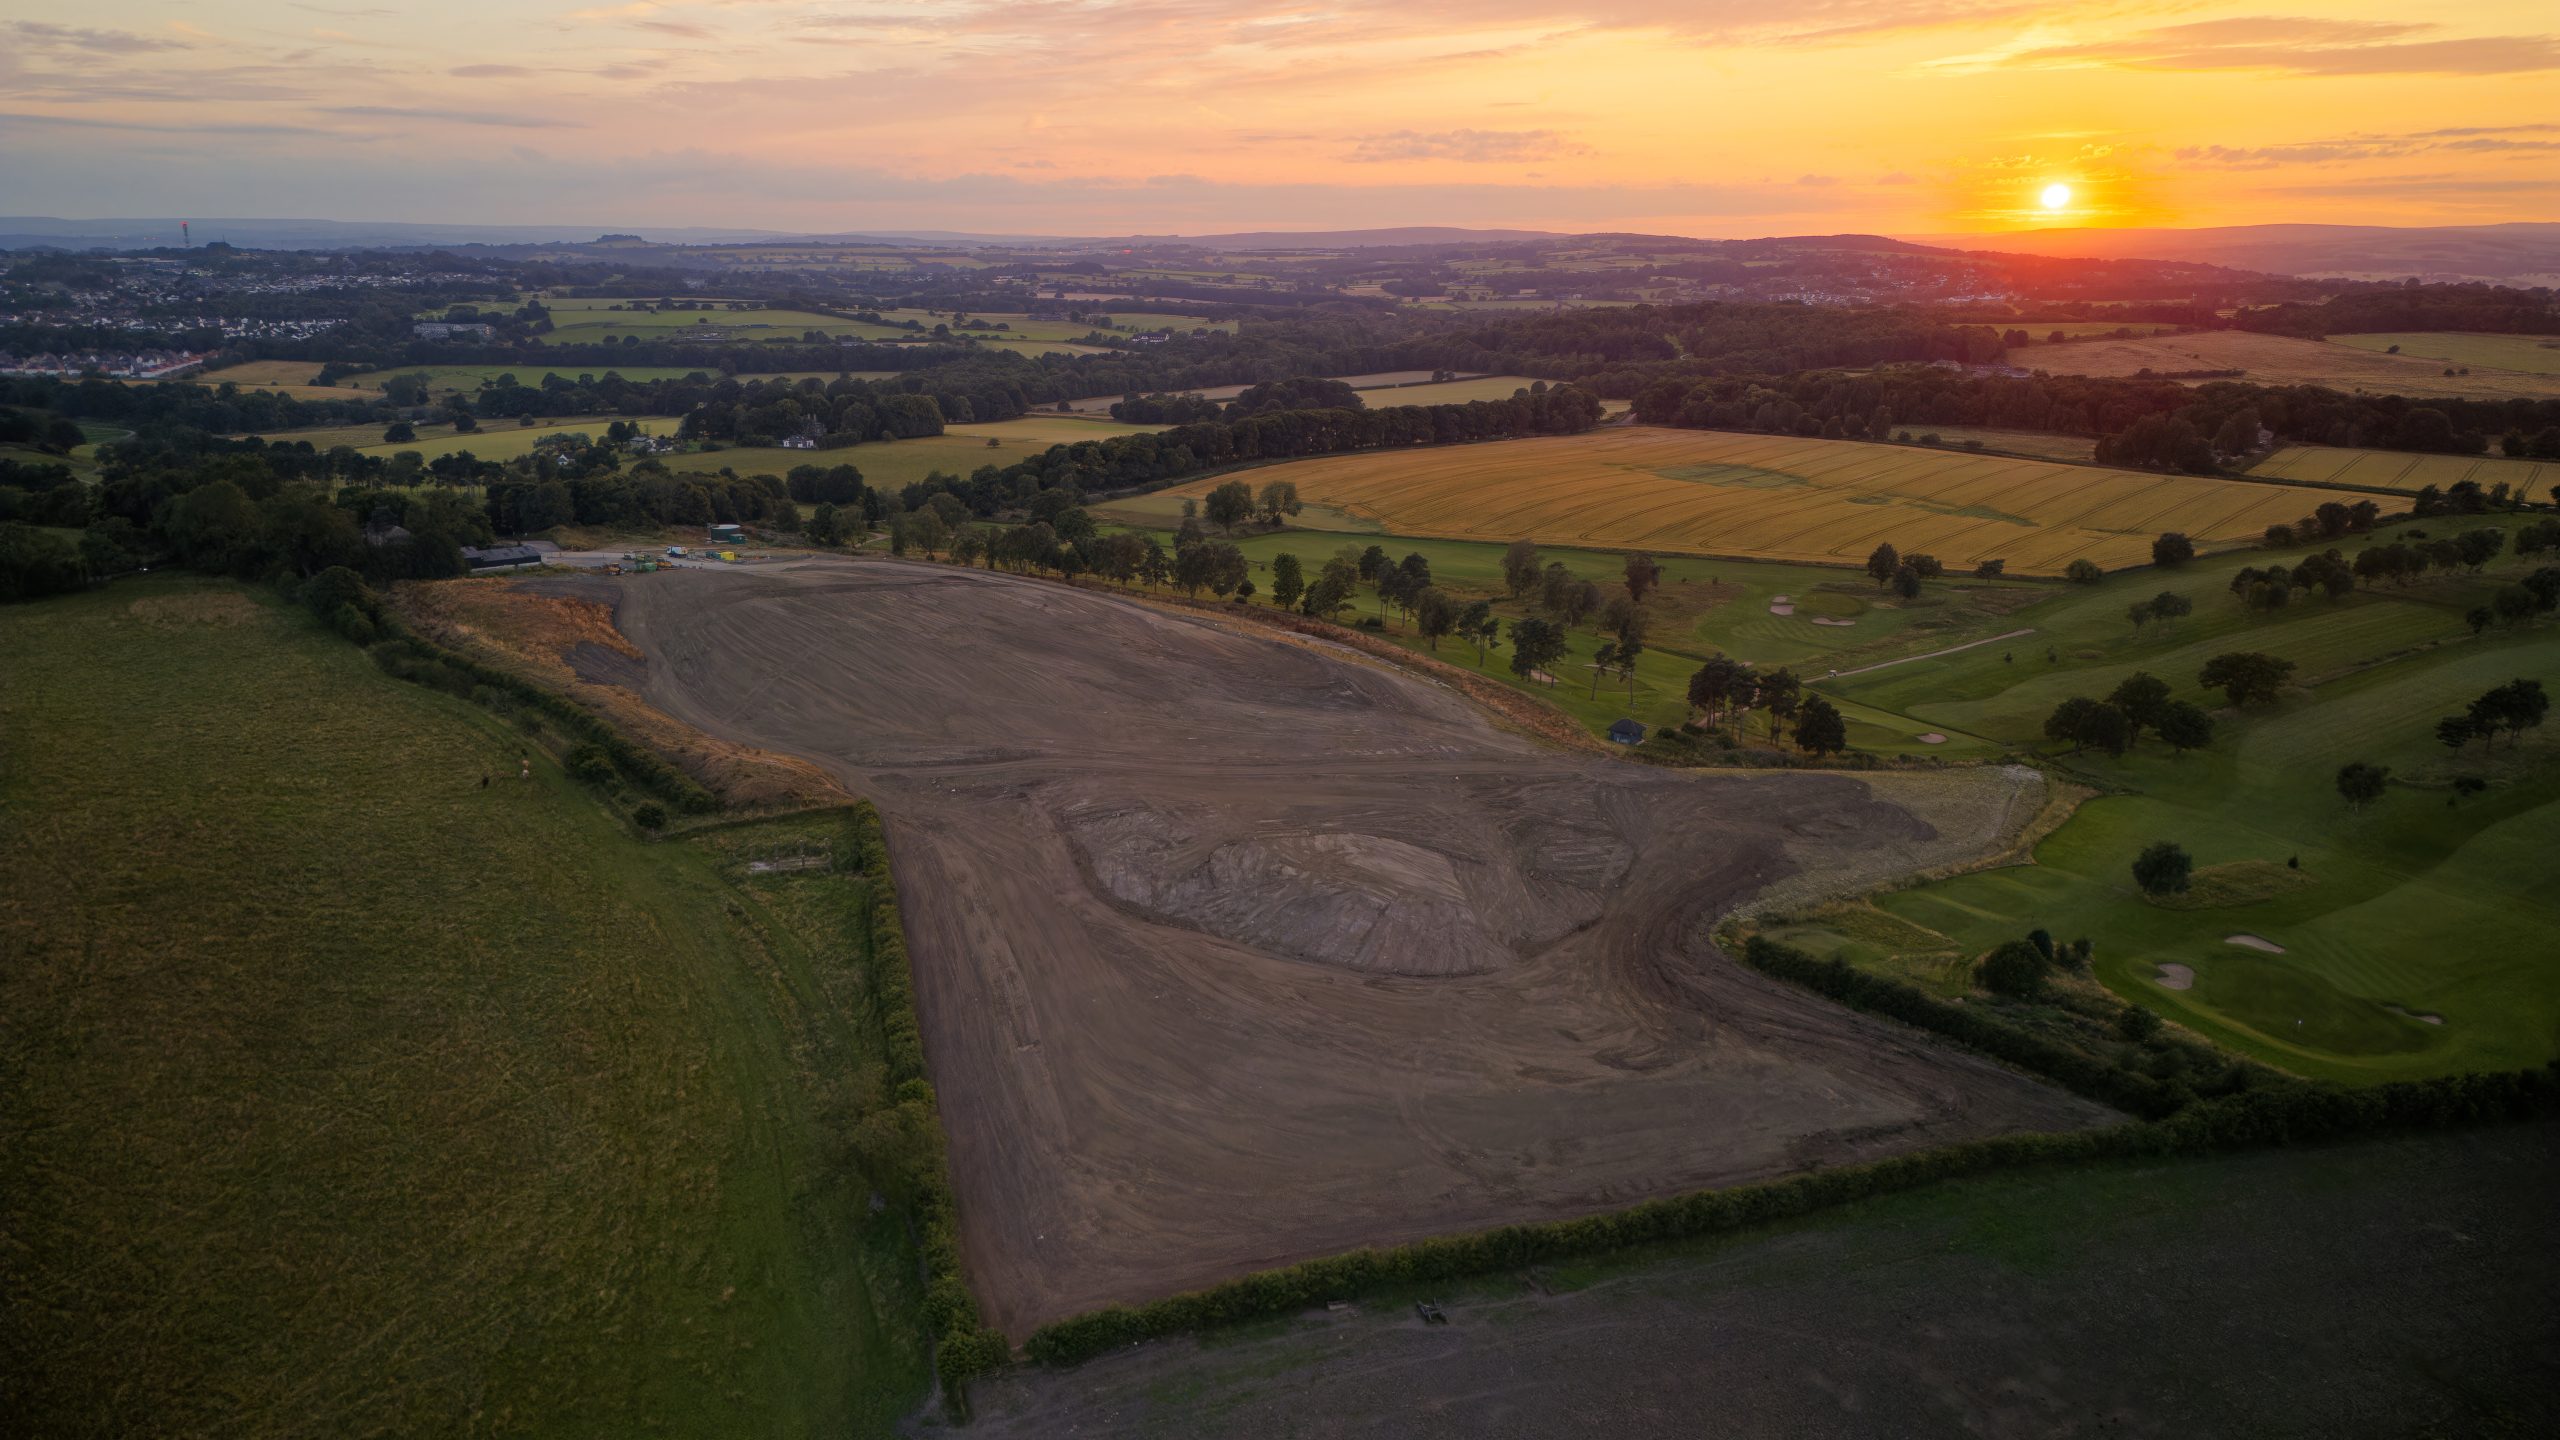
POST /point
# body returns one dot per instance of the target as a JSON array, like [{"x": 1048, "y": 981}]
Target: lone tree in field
[
  {"x": 1229, "y": 505},
  {"x": 1476, "y": 623},
  {"x": 1520, "y": 568},
  {"x": 2186, "y": 727},
  {"x": 2172, "y": 550},
  {"x": 2016, "y": 969},
  {"x": 2086, "y": 722},
  {"x": 1535, "y": 645},
  {"x": 1777, "y": 693},
  {"x": 1882, "y": 562},
  {"x": 1434, "y": 614},
  {"x": 2246, "y": 676},
  {"x": 399, "y": 432},
  {"x": 2083, "y": 572},
  {"x": 1602, "y": 660},
  {"x": 1642, "y": 576},
  {"x": 2360, "y": 784},
  {"x": 1279, "y": 499},
  {"x": 2142, "y": 697},
  {"x": 2162, "y": 869},
  {"x": 2168, "y": 605},
  {"x": 1288, "y": 580},
  {"x": 1906, "y": 582},
  {"x": 1720, "y": 684},
  {"x": 1820, "y": 728},
  {"x": 2515, "y": 707}
]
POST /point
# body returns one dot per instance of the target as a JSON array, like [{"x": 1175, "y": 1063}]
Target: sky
[{"x": 1698, "y": 117}]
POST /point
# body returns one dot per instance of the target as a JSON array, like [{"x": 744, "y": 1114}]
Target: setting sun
[{"x": 2055, "y": 196}]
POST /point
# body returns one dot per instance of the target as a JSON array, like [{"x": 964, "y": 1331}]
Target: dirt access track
[{"x": 1233, "y": 950}]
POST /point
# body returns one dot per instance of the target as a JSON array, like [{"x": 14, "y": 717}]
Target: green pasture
[
  {"x": 348, "y": 1096},
  {"x": 2419, "y": 906},
  {"x": 2530, "y": 354},
  {"x": 497, "y": 440}
]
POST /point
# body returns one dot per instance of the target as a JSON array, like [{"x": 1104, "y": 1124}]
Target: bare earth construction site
[{"x": 1233, "y": 949}]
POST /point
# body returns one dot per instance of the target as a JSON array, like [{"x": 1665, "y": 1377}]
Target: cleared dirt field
[
  {"x": 2400, "y": 471},
  {"x": 1704, "y": 492},
  {"x": 1233, "y": 950},
  {"x": 2283, "y": 360}
]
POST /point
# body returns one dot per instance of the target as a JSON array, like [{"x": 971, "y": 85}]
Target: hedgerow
[{"x": 963, "y": 1345}]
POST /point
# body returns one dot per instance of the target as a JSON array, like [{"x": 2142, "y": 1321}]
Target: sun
[{"x": 2055, "y": 196}]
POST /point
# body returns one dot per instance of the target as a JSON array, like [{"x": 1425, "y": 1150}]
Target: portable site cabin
[
  {"x": 1626, "y": 732},
  {"x": 728, "y": 535}
]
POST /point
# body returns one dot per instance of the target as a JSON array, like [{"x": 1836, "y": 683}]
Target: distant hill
[
  {"x": 19, "y": 232},
  {"x": 2527, "y": 252}
]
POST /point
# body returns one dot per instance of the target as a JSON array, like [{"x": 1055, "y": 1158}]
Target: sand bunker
[
  {"x": 2254, "y": 942},
  {"x": 1781, "y": 607},
  {"x": 1829, "y": 620},
  {"x": 1933, "y": 738},
  {"x": 1231, "y": 952},
  {"x": 2427, "y": 1017},
  {"x": 2175, "y": 977}
]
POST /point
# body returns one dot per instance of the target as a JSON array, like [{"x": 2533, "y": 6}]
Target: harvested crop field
[
  {"x": 2404, "y": 473},
  {"x": 1234, "y": 948},
  {"x": 1707, "y": 492},
  {"x": 2283, "y": 360}
]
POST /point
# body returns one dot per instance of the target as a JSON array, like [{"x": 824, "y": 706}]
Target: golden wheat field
[
  {"x": 1703, "y": 492},
  {"x": 2400, "y": 471}
]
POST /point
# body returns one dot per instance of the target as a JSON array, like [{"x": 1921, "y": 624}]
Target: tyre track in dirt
[{"x": 1153, "y": 1087}]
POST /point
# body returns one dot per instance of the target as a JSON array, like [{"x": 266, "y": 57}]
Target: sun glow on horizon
[{"x": 2055, "y": 196}]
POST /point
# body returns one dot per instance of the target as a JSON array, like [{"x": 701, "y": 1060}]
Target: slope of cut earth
[
  {"x": 1232, "y": 951},
  {"x": 1706, "y": 492}
]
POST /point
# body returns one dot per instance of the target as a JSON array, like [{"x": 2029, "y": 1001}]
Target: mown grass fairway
[
  {"x": 2416, "y": 907},
  {"x": 2530, "y": 354},
  {"x": 1779, "y": 498},
  {"x": 1704, "y": 607},
  {"x": 2402, "y": 473},
  {"x": 348, "y": 1097}
]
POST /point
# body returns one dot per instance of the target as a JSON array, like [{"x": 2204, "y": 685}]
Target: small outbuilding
[
  {"x": 500, "y": 557},
  {"x": 1626, "y": 732}
]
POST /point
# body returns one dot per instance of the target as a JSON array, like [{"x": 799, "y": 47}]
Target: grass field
[
  {"x": 2070, "y": 449},
  {"x": 588, "y": 321},
  {"x": 2402, "y": 473},
  {"x": 349, "y": 1097},
  {"x": 895, "y": 463},
  {"x": 2527, "y": 354},
  {"x": 2416, "y": 906},
  {"x": 1765, "y": 497},
  {"x": 489, "y": 442},
  {"x": 2283, "y": 360}
]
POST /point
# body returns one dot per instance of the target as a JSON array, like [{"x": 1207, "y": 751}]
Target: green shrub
[
  {"x": 2017, "y": 968},
  {"x": 590, "y": 763},
  {"x": 651, "y": 816},
  {"x": 353, "y": 624}
]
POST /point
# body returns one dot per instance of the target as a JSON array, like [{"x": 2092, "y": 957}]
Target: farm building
[
  {"x": 1626, "y": 732},
  {"x": 500, "y": 557}
]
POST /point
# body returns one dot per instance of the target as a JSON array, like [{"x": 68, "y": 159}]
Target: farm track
[{"x": 1232, "y": 952}]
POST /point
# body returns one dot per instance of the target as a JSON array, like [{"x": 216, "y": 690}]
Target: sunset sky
[{"x": 1704, "y": 117}]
